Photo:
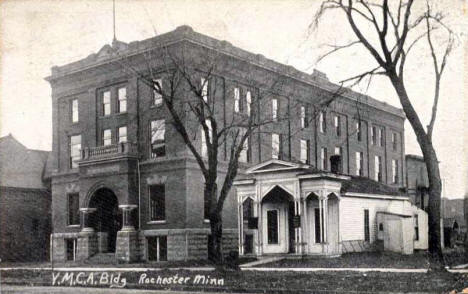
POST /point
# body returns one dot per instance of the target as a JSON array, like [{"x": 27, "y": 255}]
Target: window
[
  {"x": 359, "y": 164},
  {"x": 106, "y": 137},
  {"x": 122, "y": 134},
  {"x": 338, "y": 150},
  {"x": 157, "y": 207},
  {"x": 236, "y": 100},
  {"x": 374, "y": 135},
  {"x": 394, "y": 141},
  {"x": 366, "y": 226},
  {"x": 158, "y": 140},
  {"x": 275, "y": 146},
  {"x": 337, "y": 123},
  {"x": 157, "y": 248},
  {"x": 359, "y": 131},
  {"x": 416, "y": 227},
  {"x": 322, "y": 122},
  {"x": 204, "y": 146},
  {"x": 381, "y": 137},
  {"x": 304, "y": 117},
  {"x": 305, "y": 151},
  {"x": 106, "y": 103},
  {"x": 157, "y": 93},
  {"x": 204, "y": 85},
  {"x": 248, "y": 100},
  {"x": 272, "y": 226},
  {"x": 70, "y": 244},
  {"x": 73, "y": 209},
  {"x": 378, "y": 168},
  {"x": 318, "y": 224},
  {"x": 324, "y": 158},
  {"x": 75, "y": 149},
  {"x": 395, "y": 171},
  {"x": 247, "y": 209},
  {"x": 74, "y": 110},
  {"x": 245, "y": 153},
  {"x": 274, "y": 109},
  {"x": 122, "y": 95}
]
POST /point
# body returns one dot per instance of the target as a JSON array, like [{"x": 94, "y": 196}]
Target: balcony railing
[{"x": 114, "y": 150}]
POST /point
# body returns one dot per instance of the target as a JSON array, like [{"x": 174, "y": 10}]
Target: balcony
[{"x": 125, "y": 149}]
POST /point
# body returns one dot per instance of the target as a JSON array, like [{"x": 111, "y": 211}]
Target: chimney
[{"x": 335, "y": 164}]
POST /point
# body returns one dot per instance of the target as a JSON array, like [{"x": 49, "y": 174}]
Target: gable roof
[
  {"x": 368, "y": 186},
  {"x": 275, "y": 165}
]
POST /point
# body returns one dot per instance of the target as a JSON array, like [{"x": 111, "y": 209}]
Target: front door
[
  {"x": 315, "y": 229},
  {"x": 275, "y": 228}
]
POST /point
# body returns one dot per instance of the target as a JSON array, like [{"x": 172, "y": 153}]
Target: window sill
[
  {"x": 73, "y": 226},
  {"x": 156, "y": 105},
  {"x": 206, "y": 221},
  {"x": 156, "y": 222}
]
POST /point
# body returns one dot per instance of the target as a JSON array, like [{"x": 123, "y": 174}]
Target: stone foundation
[
  {"x": 127, "y": 246},
  {"x": 87, "y": 245}
]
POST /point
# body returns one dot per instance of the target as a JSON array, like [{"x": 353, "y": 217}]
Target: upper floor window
[
  {"x": 276, "y": 146},
  {"x": 378, "y": 168},
  {"x": 74, "y": 110},
  {"x": 304, "y": 117},
  {"x": 338, "y": 150},
  {"x": 395, "y": 141},
  {"x": 359, "y": 164},
  {"x": 122, "y": 102},
  {"x": 157, "y": 205},
  {"x": 204, "y": 92},
  {"x": 381, "y": 137},
  {"x": 359, "y": 130},
  {"x": 322, "y": 122},
  {"x": 158, "y": 141},
  {"x": 337, "y": 123},
  {"x": 274, "y": 109},
  {"x": 395, "y": 171},
  {"x": 324, "y": 158},
  {"x": 122, "y": 134},
  {"x": 374, "y": 135},
  {"x": 106, "y": 103},
  {"x": 248, "y": 100},
  {"x": 106, "y": 137},
  {"x": 73, "y": 209},
  {"x": 305, "y": 151},
  {"x": 245, "y": 153},
  {"x": 204, "y": 146},
  {"x": 237, "y": 100},
  {"x": 75, "y": 149},
  {"x": 157, "y": 92}
]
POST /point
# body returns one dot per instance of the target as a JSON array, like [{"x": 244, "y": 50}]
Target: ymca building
[{"x": 124, "y": 184}]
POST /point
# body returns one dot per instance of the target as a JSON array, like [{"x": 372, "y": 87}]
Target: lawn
[{"x": 267, "y": 282}]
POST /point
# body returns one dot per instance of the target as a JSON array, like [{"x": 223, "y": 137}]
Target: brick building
[
  {"x": 417, "y": 181},
  {"x": 124, "y": 182},
  {"x": 25, "y": 201}
]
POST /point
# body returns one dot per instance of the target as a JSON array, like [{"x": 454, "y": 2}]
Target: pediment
[{"x": 274, "y": 165}]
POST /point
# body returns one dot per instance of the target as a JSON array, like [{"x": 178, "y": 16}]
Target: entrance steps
[{"x": 102, "y": 258}]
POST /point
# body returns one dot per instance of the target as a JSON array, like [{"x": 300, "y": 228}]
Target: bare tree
[{"x": 394, "y": 31}]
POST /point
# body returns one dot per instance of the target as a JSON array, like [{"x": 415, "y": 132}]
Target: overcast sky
[{"x": 36, "y": 35}]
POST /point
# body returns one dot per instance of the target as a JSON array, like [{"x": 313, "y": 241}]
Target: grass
[
  {"x": 275, "y": 282},
  {"x": 359, "y": 260}
]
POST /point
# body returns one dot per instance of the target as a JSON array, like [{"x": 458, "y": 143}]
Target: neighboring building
[
  {"x": 25, "y": 201},
  {"x": 454, "y": 221},
  {"x": 118, "y": 189},
  {"x": 417, "y": 181}
]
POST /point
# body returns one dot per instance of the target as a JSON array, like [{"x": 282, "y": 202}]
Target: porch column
[
  {"x": 127, "y": 222},
  {"x": 258, "y": 214},
  {"x": 84, "y": 215},
  {"x": 304, "y": 225},
  {"x": 240, "y": 217},
  {"x": 321, "y": 218},
  {"x": 298, "y": 237},
  {"x": 325, "y": 218}
]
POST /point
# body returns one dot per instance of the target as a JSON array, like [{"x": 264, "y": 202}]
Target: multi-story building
[
  {"x": 25, "y": 202},
  {"x": 123, "y": 180}
]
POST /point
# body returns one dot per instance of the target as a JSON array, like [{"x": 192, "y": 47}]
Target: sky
[{"x": 36, "y": 35}]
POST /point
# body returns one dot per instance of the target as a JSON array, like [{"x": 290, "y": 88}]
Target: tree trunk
[
  {"x": 432, "y": 165},
  {"x": 215, "y": 249}
]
